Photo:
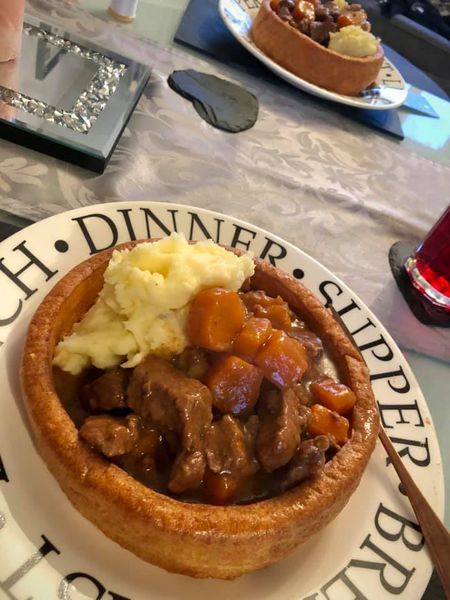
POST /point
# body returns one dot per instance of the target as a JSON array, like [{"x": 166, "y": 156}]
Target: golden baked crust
[
  {"x": 194, "y": 539},
  {"x": 307, "y": 59}
]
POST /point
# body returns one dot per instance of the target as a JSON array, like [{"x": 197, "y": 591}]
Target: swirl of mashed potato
[
  {"x": 143, "y": 306},
  {"x": 353, "y": 41}
]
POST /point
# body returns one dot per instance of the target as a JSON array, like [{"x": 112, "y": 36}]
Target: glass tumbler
[
  {"x": 11, "y": 22},
  {"x": 429, "y": 267}
]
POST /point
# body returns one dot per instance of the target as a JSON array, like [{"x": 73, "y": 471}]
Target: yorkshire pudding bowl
[
  {"x": 309, "y": 60},
  {"x": 199, "y": 540}
]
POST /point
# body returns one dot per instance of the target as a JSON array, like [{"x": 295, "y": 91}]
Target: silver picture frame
[{"x": 67, "y": 97}]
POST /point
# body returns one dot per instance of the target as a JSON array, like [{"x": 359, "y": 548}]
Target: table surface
[
  {"x": 158, "y": 20},
  {"x": 347, "y": 179}
]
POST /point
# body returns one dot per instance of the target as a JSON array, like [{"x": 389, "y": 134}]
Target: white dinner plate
[
  {"x": 48, "y": 550},
  {"x": 388, "y": 91}
]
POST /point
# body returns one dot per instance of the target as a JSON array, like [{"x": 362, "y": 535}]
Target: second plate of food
[{"x": 388, "y": 90}]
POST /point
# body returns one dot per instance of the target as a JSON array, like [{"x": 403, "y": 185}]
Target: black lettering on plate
[
  {"x": 34, "y": 559},
  {"x": 387, "y": 354},
  {"x": 386, "y": 516},
  {"x": 325, "y": 286},
  {"x": 348, "y": 308},
  {"x": 64, "y": 590},
  {"x": 422, "y": 461},
  {"x": 126, "y": 217},
  {"x": 368, "y": 323},
  {"x": 151, "y": 217},
  {"x": 65, "y": 585},
  {"x": 95, "y": 218},
  {"x": 343, "y": 579},
  {"x": 196, "y": 221},
  {"x": 281, "y": 252},
  {"x": 3, "y": 475},
  {"x": 238, "y": 229},
  {"x": 13, "y": 317},
  {"x": 402, "y": 388},
  {"x": 389, "y": 583},
  {"x": 400, "y": 408},
  {"x": 14, "y": 276}
]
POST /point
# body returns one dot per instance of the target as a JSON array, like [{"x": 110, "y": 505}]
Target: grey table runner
[{"x": 339, "y": 191}]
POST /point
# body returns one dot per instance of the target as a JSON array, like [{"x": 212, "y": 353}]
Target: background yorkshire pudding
[
  {"x": 311, "y": 61},
  {"x": 199, "y": 540}
]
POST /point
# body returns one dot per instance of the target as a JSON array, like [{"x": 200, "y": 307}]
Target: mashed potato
[
  {"x": 143, "y": 306},
  {"x": 341, "y": 4},
  {"x": 353, "y": 41}
]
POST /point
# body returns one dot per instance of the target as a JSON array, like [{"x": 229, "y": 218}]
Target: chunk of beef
[
  {"x": 193, "y": 362},
  {"x": 285, "y": 9},
  {"x": 144, "y": 454},
  {"x": 187, "y": 471},
  {"x": 303, "y": 394},
  {"x": 312, "y": 344},
  {"x": 107, "y": 392},
  {"x": 282, "y": 419},
  {"x": 286, "y": 15},
  {"x": 322, "y": 12},
  {"x": 319, "y": 31},
  {"x": 112, "y": 436},
  {"x": 251, "y": 427},
  {"x": 307, "y": 462},
  {"x": 172, "y": 402},
  {"x": 290, "y": 4},
  {"x": 251, "y": 430},
  {"x": 333, "y": 9},
  {"x": 303, "y": 27},
  {"x": 228, "y": 448}
]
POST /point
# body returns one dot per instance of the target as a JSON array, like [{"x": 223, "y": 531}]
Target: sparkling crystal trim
[{"x": 89, "y": 104}]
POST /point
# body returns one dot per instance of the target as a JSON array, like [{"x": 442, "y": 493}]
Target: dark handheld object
[{"x": 219, "y": 102}]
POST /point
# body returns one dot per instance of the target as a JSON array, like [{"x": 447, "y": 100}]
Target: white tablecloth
[{"x": 335, "y": 188}]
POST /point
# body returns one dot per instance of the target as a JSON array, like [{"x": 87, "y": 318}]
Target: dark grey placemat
[
  {"x": 10, "y": 224},
  {"x": 202, "y": 28}
]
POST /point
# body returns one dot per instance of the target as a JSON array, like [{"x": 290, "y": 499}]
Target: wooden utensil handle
[{"x": 436, "y": 534}]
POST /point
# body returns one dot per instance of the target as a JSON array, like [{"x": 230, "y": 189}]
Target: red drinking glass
[{"x": 429, "y": 267}]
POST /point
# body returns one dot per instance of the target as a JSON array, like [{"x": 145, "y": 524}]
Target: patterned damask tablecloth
[{"x": 338, "y": 190}]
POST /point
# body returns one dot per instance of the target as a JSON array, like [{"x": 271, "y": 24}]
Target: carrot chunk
[
  {"x": 344, "y": 20},
  {"x": 303, "y": 11},
  {"x": 282, "y": 359},
  {"x": 221, "y": 488},
  {"x": 332, "y": 394},
  {"x": 252, "y": 336},
  {"x": 234, "y": 384},
  {"x": 277, "y": 314},
  {"x": 327, "y": 422},
  {"x": 215, "y": 317}
]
